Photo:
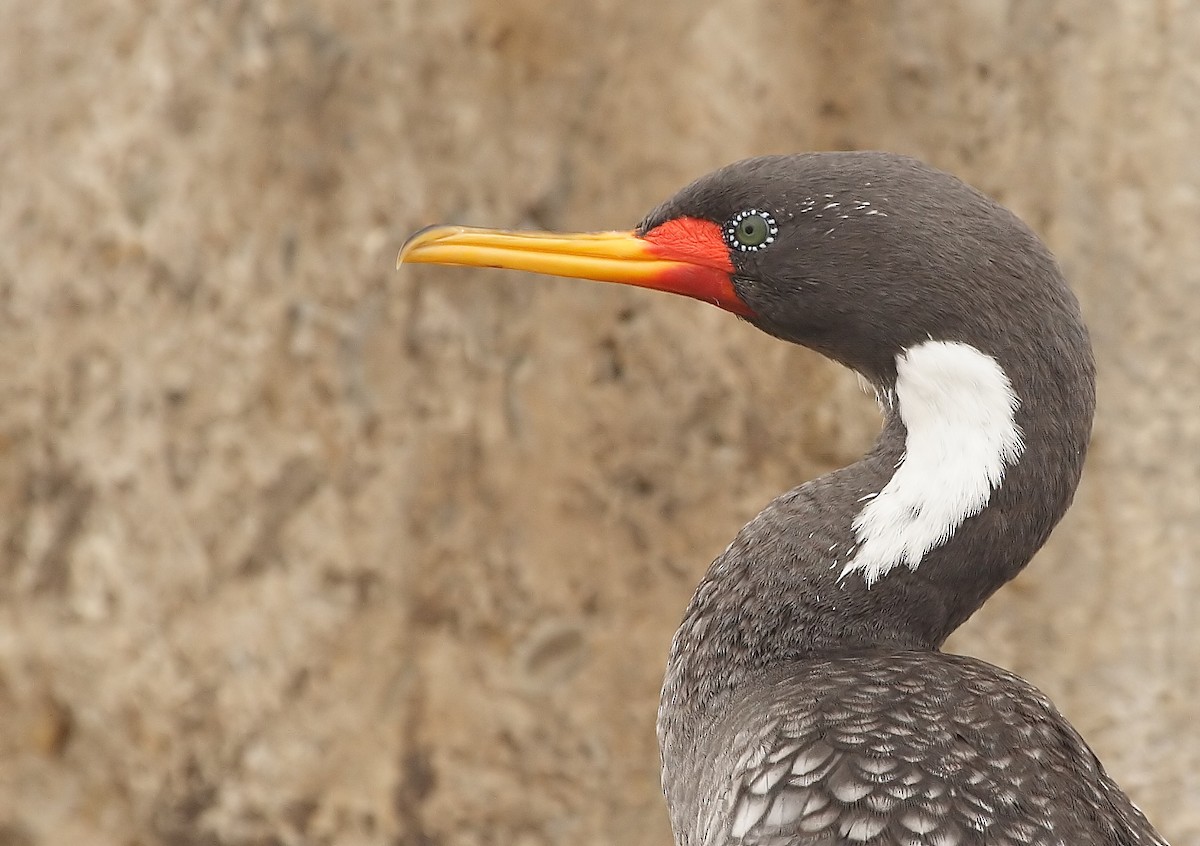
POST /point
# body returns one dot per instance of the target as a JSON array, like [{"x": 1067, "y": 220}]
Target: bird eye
[{"x": 750, "y": 230}]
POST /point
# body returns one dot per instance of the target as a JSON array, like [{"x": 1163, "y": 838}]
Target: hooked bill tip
[{"x": 423, "y": 236}]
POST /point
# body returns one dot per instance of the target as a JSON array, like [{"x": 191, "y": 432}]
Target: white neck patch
[{"x": 958, "y": 407}]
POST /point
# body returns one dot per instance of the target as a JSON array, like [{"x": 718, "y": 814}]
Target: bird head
[{"x": 856, "y": 255}]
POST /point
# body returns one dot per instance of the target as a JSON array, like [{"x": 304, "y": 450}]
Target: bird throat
[
  {"x": 892, "y": 552},
  {"x": 958, "y": 408}
]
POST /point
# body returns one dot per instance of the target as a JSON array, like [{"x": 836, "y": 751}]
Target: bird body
[
  {"x": 897, "y": 748},
  {"x": 806, "y": 700}
]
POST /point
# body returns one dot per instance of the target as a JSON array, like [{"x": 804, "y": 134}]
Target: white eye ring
[{"x": 732, "y": 236}]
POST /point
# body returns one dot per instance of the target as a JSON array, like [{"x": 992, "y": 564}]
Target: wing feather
[{"x": 908, "y": 750}]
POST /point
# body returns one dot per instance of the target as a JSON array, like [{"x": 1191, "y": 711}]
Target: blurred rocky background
[{"x": 297, "y": 549}]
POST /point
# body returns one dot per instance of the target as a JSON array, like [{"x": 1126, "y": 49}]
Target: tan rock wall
[{"x": 297, "y": 549}]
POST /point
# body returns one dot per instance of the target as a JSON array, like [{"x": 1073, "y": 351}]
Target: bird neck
[{"x": 977, "y": 460}]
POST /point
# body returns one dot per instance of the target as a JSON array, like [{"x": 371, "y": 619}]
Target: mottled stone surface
[{"x": 296, "y": 549}]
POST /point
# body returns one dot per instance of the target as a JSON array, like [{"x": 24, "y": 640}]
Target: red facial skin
[{"x": 708, "y": 272}]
